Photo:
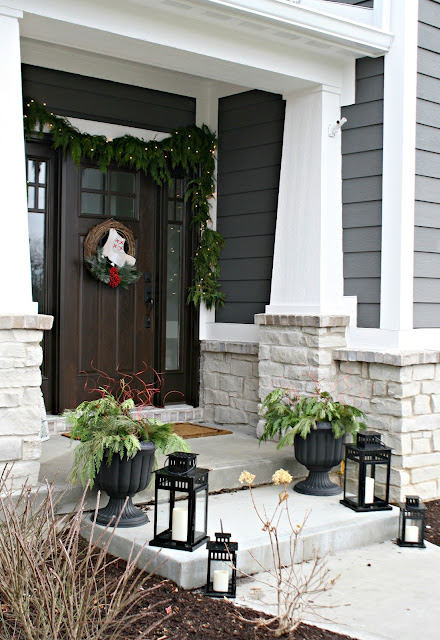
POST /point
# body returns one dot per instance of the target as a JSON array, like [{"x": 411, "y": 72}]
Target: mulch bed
[
  {"x": 432, "y": 531},
  {"x": 197, "y": 617}
]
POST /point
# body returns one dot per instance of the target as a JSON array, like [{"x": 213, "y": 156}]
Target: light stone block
[
  {"x": 380, "y": 389},
  {"x": 216, "y": 397},
  {"x": 12, "y": 350},
  {"x": 420, "y": 445},
  {"x": 10, "y": 449},
  {"x": 27, "y": 335},
  {"x": 217, "y": 366},
  {"x": 424, "y": 489},
  {"x": 403, "y": 390},
  {"x": 226, "y": 415},
  {"x": 230, "y": 383},
  {"x": 431, "y": 387},
  {"x": 423, "y": 371},
  {"x": 436, "y": 440},
  {"x": 31, "y": 396},
  {"x": 34, "y": 356},
  {"x": 378, "y": 423},
  {"x": 353, "y": 368},
  {"x": 401, "y": 443},
  {"x": 26, "y": 377},
  {"x": 422, "y": 405},
  {"x": 388, "y": 372},
  {"x": 425, "y": 474},
  {"x": 398, "y": 408},
  {"x": 421, "y": 460},
  {"x": 241, "y": 368},
  {"x": 289, "y": 355},
  {"x": 20, "y": 421},
  {"x": 31, "y": 448},
  {"x": 10, "y": 398},
  {"x": 268, "y": 368}
]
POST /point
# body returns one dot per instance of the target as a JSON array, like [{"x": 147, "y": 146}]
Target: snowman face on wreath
[{"x": 114, "y": 250}]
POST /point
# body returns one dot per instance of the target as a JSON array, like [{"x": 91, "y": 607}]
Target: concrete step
[
  {"x": 330, "y": 527},
  {"x": 170, "y": 413}
]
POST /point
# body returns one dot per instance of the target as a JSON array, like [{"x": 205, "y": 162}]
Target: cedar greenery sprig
[
  {"x": 192, "y": 148},
  {"x": 100, "y": 268},
  {"x": 288, "y": 415}
]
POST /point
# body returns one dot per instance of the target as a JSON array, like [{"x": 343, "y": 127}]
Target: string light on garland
[{"x": 190, "y": 148}]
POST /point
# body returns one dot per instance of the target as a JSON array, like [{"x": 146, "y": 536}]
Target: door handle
[{"x": 148, "y": 299}]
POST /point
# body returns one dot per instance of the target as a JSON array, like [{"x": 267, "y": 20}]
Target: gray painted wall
[
  {"x": 427, "y": 206},
  {"x": 250, "y": 132},
  {"x": 71, "y": 94},
  {"x": 362, "y": 143}
]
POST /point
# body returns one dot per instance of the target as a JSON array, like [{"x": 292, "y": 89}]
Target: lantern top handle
[
  {"x": 368, "y": 439},
  {"x": 181, "y": 462}
]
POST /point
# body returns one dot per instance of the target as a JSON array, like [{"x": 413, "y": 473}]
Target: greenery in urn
[
  {"x": 113, "y": 425},
  {"x": 288, "y": 415}
]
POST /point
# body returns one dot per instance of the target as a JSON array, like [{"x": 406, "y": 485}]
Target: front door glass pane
[{"x": 173, "y": 298}]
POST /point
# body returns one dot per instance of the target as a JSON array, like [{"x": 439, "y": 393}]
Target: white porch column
[
  {"x": 15, "y": 280},
  {"x": 307, "y": 276},
  {"x": 399, "y": 142}
]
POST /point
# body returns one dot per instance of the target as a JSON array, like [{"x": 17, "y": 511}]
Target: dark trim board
[{"x": 78, "y": 96}]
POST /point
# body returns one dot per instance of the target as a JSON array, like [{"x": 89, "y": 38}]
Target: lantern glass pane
[
  {"x": 370, "y": 484},
  {"x": 380, "y": 483},
  {"x": 163, "y": 512},
  {"x": 413, "y": 530},
  {"x": 351, "y": 480},
  {"x": 218, "y": 580},
  {"x": 200, "y": 519}
]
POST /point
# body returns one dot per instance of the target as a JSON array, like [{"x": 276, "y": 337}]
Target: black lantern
[
  {"x": 412, "y": 523},
  {"x": 367, "y": 474},
  {"x": 221, "y": 579},
  {"x": 181, "y": 504}
]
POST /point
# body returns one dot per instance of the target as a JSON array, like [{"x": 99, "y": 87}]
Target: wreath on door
[{"x": 109, "y": 262}]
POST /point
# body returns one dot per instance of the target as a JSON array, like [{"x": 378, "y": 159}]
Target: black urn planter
[
  {"x": 319, "y": 452},
  {"x": 124, "y": 478}
]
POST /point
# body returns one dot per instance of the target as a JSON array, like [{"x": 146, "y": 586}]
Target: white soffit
[{"x": 268, "y": 44}]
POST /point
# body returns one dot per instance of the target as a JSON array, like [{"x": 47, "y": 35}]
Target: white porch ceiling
[{"x": 271, "y": 45}]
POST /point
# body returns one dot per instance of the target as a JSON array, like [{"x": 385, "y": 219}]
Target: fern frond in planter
[
  {"x": 288, "y": 415},
  {"x": 107, "y": 427}
]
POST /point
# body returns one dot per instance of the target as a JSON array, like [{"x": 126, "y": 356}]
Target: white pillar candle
[
  {"x": 369, "y": 490},
  {"x": 180, "y": 524},
  {"x": 221, "y": 580},
  {"x": 411, "y": 533}
]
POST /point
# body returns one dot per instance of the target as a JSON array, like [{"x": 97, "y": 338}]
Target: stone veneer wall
[
  {"x": 229, "y": 383},
  {"x": 296, "y": 352},
  {"x": 400, "y": 393},
  {"x": 20, "y": 380}
]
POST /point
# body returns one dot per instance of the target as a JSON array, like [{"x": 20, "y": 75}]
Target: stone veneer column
[
  {"x": 20, "y": 381},
  {"x": 229, "y": 383},
  {"x": 296, "y": 352},
  {"x": 400, "y": 393}
]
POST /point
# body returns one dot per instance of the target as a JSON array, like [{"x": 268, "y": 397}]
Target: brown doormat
[{"x": 189, "y": 430}]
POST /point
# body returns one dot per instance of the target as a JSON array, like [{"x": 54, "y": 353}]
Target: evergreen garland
[{"x": 192, "y": 148}]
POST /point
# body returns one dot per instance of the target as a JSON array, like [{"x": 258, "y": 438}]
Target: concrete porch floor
[{"x": 225, "y": 456}]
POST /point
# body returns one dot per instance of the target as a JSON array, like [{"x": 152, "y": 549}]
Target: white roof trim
[{"x": 349, "y": 33}]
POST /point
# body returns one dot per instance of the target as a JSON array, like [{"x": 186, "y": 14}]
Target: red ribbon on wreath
[{"x": 115, "y": 278}]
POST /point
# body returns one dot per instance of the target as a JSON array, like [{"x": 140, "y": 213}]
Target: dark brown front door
[
  {"x": 102, "y": 328},
  {"x": 97, "y": 327}
]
